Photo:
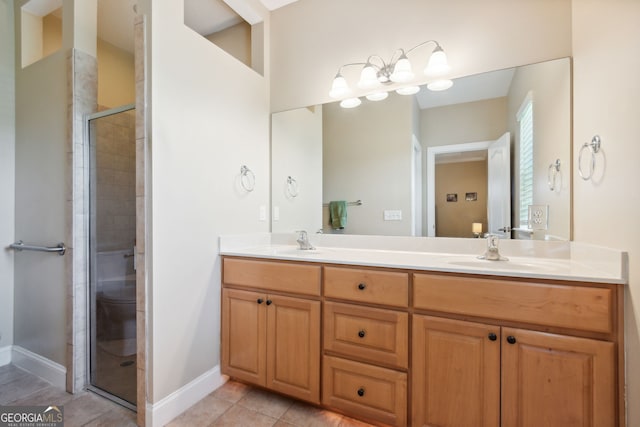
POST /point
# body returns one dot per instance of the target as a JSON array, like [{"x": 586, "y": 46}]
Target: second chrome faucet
[{"x": 303, "y": 241}]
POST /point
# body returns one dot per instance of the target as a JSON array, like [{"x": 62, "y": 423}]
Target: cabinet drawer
[
  {"x": 364, "y": 390},
  {"x": 372, "y": 286},
  {"x": 277, "y": 276},
  {"x": 370, "y": 334},
  {"x": 564, "y": 306}
]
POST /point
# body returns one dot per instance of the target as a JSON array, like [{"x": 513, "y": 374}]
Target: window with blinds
[{"x": 525, "y": 143}]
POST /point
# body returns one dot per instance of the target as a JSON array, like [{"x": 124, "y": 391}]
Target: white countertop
[{"x": 530, "y": 259}]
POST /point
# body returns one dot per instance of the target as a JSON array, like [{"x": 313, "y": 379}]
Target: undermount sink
[
  {"x": 297, "y": 251},
  {"x": 511, "y": 265}
]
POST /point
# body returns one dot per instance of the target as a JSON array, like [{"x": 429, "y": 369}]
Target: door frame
[{"x": 431, "y": 175}]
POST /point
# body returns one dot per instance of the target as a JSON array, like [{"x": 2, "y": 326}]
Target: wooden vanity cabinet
[
  {"x": 426, "y": 349},
  {"x": 492, "y": 374},
  {"x": 270, "y": 339},
  {"x": 366, "y": 348}
]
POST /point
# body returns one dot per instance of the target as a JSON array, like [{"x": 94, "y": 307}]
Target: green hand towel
[{"x": 338, "y": 214}]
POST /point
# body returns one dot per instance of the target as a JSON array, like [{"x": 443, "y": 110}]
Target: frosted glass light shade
[
  {"x": 439, "y": 85},
  {"x": 339, "y": 87},
  {"x": 437, "y": 65},
  {"x": 368, "y": 78},
  {"x": 350, "y": 102},
  {"x": 408, "y": 90},
  {"x": 378, "y": 96},
  {"x": 402, "y": 72}
]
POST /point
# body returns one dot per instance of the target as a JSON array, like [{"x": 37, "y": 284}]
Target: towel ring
[
  {"x": 247, "y": 179},
  {"x": 552, "y": 174},
  {"x": 292, "y": 187},
  {"x": 594, "y": 147}
]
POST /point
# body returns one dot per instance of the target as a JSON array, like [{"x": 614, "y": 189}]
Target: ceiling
[{"x": 490, "y": 85}]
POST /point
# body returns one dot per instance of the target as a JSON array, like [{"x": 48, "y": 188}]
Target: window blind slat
[{"x": 525, "y": 122}]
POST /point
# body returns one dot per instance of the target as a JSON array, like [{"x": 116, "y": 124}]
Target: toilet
[{"x": 116, "y": 303}]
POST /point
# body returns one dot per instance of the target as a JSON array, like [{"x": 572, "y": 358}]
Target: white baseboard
[
  {"x": 161, "y": 413},
  {"x": 41, "y": 366},
  {"x": 5, "y": 355}
]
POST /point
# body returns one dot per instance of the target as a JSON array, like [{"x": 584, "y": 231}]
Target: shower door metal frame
[{"x": 90, "y": 283}]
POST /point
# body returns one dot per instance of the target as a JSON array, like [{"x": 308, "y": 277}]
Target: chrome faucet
[
  {"x": 303, "y": 241},
  {"x": 492, "y": 253}
]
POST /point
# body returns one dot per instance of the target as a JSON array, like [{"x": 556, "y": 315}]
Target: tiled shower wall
[{"x": 116, "y": 180}]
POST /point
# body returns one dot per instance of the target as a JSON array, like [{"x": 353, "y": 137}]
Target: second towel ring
[
  {"x": 552, "y": 174},
  {"x": 594, "y": 147},
  {"x": 292, "y": 187},
  {"x": 247, "y": 179}
]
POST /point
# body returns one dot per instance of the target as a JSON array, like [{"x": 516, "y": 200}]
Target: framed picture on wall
[
  {"x": 471, "y": 197},
  {"x": 452, "y": 197}
]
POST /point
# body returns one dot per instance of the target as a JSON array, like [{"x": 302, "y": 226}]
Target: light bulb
[
  {"x": 439, "y": 85},
  {"x": 350, "y": 102},
  {"x": 437, "y": 65},
  {"x": 368, "y": 78},
  {"x": 402, "y": 72},
  {"x": 339, "y": 88},
  {"x": 408, "y": 90},
  {"x": 378, "y": 96}
]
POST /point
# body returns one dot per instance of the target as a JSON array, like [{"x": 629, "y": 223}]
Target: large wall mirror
[{"x": 491, "y": 154}]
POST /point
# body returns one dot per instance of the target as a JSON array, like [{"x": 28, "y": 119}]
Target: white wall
[
  {"x": 209, "y": 116},
  {"x": 296, "y": 151},
  {"x": 484, "y": 120},
  {"x": 312, "y": 38},
  {"x": 606, "y": 93},
  {"x": 41, "y": 160},
  {"x": 367, "y": 155},
  {"x": 550, "y": 86},
  {"x": 7, "y": 170}
]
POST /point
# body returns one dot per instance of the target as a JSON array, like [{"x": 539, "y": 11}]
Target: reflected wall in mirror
[{"x": 401, "y": 158}]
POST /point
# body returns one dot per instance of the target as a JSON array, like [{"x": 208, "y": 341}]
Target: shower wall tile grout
[{"x": 143, "y": 356}]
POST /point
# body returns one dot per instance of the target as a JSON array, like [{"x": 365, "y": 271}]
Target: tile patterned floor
[
  {"x": 239, "y": 405},
  {"x": 234, "y": 404},
  {"x": 18, "y": 388}
]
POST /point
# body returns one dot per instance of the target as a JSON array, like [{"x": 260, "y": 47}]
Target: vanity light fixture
[{"x": 376, "y": 73}]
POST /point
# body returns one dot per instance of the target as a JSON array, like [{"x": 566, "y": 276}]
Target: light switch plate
[
  {"x": 538, "y": 217},
  {"x": 393, "y": 215},
  {"x": 276, "y": 213},
  {"x": 263, "y": 213}
]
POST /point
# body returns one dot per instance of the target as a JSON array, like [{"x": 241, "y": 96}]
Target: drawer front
[
  {"x": 277, "y": 276},
  {"x": 369, "y": 334},
  {"x": 573, "y": 307},
  {"x": 370, "y": 286},
  {"x": 364, "y": 390}
]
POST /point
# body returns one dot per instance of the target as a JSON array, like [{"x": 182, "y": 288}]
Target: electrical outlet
[
  {"x": 538, "y": 217},
  {"x": 393, "y": 215}
]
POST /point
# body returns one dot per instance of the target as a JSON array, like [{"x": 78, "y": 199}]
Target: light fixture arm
[{"x": 422, "y": 44}]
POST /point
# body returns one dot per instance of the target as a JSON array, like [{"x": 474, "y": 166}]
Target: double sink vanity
[{"x": 419, "y": 331}]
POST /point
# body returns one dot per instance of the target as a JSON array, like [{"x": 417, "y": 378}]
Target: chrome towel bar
[{"x": 20, "y": 246}]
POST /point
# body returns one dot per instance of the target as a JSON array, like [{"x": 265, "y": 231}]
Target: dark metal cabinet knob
[
  {"x": 260, "y": 300},
  {"x": 269, "y": 302},
  {"x": 361, "y": 333},
  {"x": 511, "y": 339},
  {"x": 362, "y": 286},
  {"x": 361, "y": 391},
  {"x": 493, "y": 336}
]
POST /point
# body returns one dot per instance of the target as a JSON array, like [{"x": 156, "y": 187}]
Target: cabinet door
[
  {"x": 556, "y": 381},
  {"x": 244, "y": 335},
  {"x": 293, "y": 347},
  {"x": 455, "y": 373}
]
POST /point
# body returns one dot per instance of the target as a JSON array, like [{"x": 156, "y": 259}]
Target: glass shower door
[{"x": 112, "y": 289}]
